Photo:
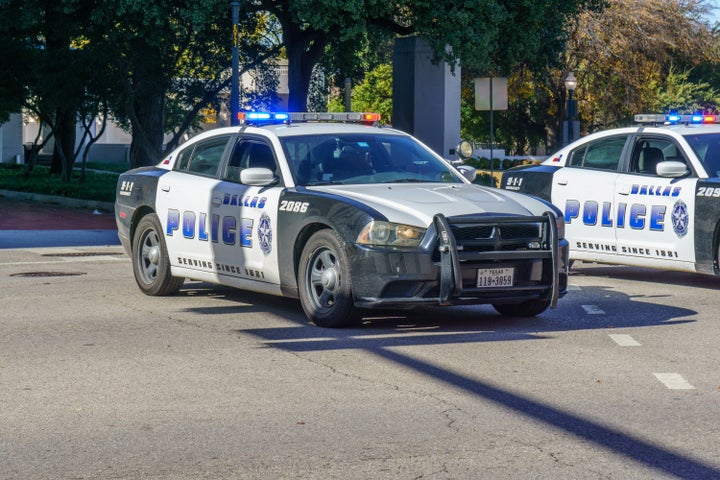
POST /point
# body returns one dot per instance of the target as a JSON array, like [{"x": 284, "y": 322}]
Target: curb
[{"x": 58, "y": 200}]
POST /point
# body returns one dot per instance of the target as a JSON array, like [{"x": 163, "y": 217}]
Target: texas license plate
[{"x": 495, "y": 277}]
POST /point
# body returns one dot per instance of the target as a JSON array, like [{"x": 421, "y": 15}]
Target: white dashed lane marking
[
  {"x": 674, "y": 381},
  {"x": 625, "y": 340}
]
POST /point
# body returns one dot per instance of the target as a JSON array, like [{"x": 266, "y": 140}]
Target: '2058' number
[
  {"x": 708, "y": 192},
  {"x": 294, "y": 207}
]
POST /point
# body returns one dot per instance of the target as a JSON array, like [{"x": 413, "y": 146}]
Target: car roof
[
  {"x": 319, "y": 128},
  {"x": 673, "y": 130},
  {"x": 300, "y": 128}
]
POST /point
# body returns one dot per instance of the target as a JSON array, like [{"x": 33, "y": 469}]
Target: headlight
[{"x": 395, "y": 234}]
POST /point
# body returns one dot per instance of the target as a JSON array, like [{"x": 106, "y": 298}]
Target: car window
[
  {"x": 707, "y": 148},
  {"x": 203, "y": 157},
  {"x": 249, "y": 154},
  {"x": 648, "y": 152},
  {"x": 602, "y": 154},
  {"x": 362, "y": 158}
]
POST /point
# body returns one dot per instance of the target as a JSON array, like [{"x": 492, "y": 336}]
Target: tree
[
  {"x": 483, "y": 35},
  {"x": 41, "y": 43},
  {"x": 623, "y": 61},
  {"x": 679, "y": 94},
  {"x": 373, "y": 94},
  {"x": 170, "y": 63}
]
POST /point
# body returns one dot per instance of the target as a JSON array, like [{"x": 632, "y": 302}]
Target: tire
[
  {"x": 151, "y": 264},
  {"x": 324, "y": 282},
  {"x": 529, "y": 308}
]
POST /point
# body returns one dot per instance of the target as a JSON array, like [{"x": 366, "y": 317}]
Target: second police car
[
  {"x": 646, "y": 196},
  {"x": 343, "y": 216}
]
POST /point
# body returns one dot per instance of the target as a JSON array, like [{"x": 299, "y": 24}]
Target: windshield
[
  {"x": 362, "y": 158},
  {"x": 707, "y": 148}
]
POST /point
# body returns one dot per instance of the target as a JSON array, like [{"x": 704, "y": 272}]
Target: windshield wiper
[
  {"x": 317, "y": 183},
  {"x": 408, "y": 180}
]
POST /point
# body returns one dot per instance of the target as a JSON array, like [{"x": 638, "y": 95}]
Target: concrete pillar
[{"x": 426, "y": 96}]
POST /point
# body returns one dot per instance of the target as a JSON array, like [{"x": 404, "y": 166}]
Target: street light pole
[
  {"x": 235, "y": 81},
  {"x": 570, "y": 85}
]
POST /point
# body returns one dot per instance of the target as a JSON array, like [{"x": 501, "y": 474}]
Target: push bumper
[{"x": 446, "y": 273}]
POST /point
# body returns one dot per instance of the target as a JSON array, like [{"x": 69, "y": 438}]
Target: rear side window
[
  {"x": 603, "y": 154},
  {"x": 203, "y": 157}
]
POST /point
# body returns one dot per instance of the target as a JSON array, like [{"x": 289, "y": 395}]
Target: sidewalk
[{"x": 41, "y": 221}]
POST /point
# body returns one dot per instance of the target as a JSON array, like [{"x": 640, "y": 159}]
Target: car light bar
[
  {"x": 256, "y": 118},
  {"x": 674, "y": 119}
]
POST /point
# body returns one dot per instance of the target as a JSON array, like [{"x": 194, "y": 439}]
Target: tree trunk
[
  {"x": 146, "y": 111},
  {"x": 64, "y": 152},
  {"x": 304, "y": 49}
]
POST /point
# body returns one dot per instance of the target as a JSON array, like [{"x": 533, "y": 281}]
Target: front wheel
[
  {"x": 324, "y": 282},
  {"x": 528, "y": 308},
  {"x": 151, "y": 264}
]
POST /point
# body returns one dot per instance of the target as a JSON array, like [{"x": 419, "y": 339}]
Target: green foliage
[
  {"x": 373, "y": 94},
  {"x": 681, "y": 95},
  {"x": 97, "y": 186}
]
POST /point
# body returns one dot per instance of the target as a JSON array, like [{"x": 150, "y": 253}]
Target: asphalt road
[{"x": 98, "y": 381}]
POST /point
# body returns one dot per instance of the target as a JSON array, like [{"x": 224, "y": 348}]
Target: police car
[
  {"x": 341, "y": 214},
  {"x": 646, "y": 196}
]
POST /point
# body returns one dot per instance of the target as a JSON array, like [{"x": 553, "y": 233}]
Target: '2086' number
[
  {"x": 294, "y": 207},
  {"x": 708, "y": 192}
]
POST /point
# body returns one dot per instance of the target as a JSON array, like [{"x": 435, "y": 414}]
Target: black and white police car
[
  {"x": 344, "y": 216},
  {"x": 646, "y": 196}
]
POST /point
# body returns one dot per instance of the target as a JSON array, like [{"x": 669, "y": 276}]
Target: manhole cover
[
  {"x": 81, "y": 254},
  {"x": 46, "y": 274}
]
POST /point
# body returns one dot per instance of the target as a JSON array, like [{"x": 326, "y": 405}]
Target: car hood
[{"x": 416, "y": 204}]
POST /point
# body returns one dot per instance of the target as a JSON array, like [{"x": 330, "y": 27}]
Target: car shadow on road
[
  {"x": 380, "y": 332},
  {"x": 646, "y": 275}
]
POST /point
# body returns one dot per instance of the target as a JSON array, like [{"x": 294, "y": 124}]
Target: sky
[{"x": 715, "y": 13}]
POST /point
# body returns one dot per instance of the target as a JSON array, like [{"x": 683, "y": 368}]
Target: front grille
[
  {"x": 501, "y": 237},
  {"x": 485, "y": 235}
]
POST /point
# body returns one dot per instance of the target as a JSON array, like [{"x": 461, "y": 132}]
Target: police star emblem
[
  {"x": 264, "y": 232},
  {"x": 680, "y": 218}
]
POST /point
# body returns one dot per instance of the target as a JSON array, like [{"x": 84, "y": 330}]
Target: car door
[
  {"x": 584, "y": 189},
  {"x": 654, "y": 225},
  {"x": 247, "y": 216},
  {"x": 183, "y": 203}
]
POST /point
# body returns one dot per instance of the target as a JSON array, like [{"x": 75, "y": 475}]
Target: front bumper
[{"x": 445, "y": 272}]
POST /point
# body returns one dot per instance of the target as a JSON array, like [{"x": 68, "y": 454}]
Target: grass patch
[{"x": 97, "y": 186}]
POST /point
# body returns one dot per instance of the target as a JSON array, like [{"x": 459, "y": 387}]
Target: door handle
[{"x": 165, "y": 188}]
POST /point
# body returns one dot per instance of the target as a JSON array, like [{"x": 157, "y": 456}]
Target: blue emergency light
[
  {"x": 676, "y": 119},
  {"x": 268, "y": 118}
]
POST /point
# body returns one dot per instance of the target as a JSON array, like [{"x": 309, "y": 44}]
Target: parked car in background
[{"x": 647, "y": 195}]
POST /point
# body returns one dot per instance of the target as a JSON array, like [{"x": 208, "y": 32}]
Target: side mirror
[
  {"x": 672, "y": 169},
  {"x": 257, "y": 176},
  {"x": 467, "y": 171}
]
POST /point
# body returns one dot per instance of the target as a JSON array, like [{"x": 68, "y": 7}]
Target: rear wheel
[
  {"x": 151, "y": 264},
  {"x": 324, "y": 282},
  {"x": 529, "y": 308}
]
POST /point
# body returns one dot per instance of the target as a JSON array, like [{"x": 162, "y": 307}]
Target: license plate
[{"x": 495, "y": 277}]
